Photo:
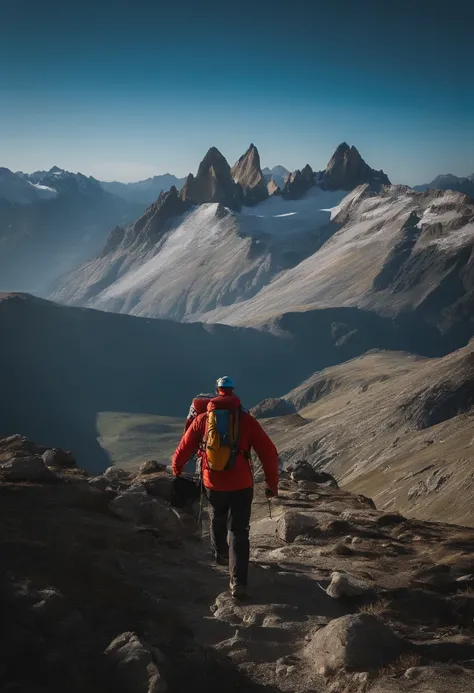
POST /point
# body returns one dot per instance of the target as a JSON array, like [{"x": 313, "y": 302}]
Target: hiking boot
[{"x": 238, "y": 591}]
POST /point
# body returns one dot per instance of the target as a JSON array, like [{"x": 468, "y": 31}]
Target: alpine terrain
[
  {"x": 49, "y": 222},
  {"x": 342, "y": 305},
  {"x": 224, "y": 218}
]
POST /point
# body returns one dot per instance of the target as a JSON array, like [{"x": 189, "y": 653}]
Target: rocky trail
[{"x": 104, "y": 588}]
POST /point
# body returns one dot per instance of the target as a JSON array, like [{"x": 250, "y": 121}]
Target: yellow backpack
[{"x": 221, "y": 441}]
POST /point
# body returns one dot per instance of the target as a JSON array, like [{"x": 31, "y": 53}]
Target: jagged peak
[
  {"x": 212, "y": 158},
  {"x": 248, "y": 174},
  {"x": 341, "y": 148},
  {"x": 273, "y": 188},
  {"x": 347, "y": 169}
]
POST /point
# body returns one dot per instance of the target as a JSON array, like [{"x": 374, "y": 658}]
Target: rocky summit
[
  {"x": 248, "y": 174},
  {"x": 347, "y": 169},
  {"x": 105, "y": 588},
  {"x": 213, "y": 183}
]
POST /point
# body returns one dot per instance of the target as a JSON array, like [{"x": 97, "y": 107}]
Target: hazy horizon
[{"x": 124, "y": 94}]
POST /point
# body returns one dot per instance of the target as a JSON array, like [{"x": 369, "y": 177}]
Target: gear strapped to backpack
[{"x": 221, "y": 440}]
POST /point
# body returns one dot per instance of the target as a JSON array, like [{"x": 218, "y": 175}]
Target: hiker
[{"x": 225, "y": 435}]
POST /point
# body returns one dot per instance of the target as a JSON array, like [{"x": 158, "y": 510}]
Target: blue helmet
[{"x": 225, "y": 381}]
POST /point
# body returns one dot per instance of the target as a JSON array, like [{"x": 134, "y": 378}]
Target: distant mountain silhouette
[
  {"x": 144, "y": 191},
  {"x": 449, "y": 182}
]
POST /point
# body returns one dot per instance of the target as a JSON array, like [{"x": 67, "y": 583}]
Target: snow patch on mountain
[
  {"x": 45, "y": 188},
  {"x": 18, "y": 190}
]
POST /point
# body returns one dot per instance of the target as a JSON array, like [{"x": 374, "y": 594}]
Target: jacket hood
[{"x": 224, "y": 402}]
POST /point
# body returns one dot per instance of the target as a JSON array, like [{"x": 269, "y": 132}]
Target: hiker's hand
[
  {"x": 176, "y": 472},
  {"x": 271, "y": 492}
]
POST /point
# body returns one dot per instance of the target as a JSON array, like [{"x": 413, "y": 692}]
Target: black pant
[{"x": 229, "y": 512}]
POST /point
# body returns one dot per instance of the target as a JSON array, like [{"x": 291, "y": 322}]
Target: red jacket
[{"x": 252, "y": 435}]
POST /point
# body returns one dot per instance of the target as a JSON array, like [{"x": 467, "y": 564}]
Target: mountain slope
[
  {"x": 61, "y": 366},
  {"x": 392, "y": 425},
  {"x": 397, "y": 251},
  {"x": 41, "y": 240},
  {"x": 196, "y": 258}
]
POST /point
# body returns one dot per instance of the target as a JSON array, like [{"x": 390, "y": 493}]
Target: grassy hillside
[{"x": 131, "y": 439}]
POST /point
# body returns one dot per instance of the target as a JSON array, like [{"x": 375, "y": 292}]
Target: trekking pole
[{"x": 269, "y": 496}]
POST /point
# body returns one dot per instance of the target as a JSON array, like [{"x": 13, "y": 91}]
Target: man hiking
[{"x": 225, "y": 435}]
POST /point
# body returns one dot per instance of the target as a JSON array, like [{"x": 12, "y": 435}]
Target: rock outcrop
[
  {"x": 213, "y": 183},
  {"x": 298, "y": 183},
  {"x": 248, "y": 174},
  {"x": 31, "y": 468},
  {"x": 136, "y": 664},
  {"x": 273, "y": 188},
  {"x": 273, "y": 406},
  {"x": 347, "y": 169}
]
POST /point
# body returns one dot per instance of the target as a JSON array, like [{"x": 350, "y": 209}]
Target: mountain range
[
  {"x": 144, "y": 192},
  {"x": 202, "y": 254},
  {"x": 222, "y": 218},
  {"x": 448, "y": 181},
  {"x": 50, "y": 221},
  {"x": 280, "y": 278}
]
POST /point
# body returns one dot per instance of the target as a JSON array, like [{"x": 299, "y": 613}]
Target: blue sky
[{"x": 125, "y": 90}]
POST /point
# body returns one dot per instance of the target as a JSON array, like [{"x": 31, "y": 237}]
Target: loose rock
[
  {"x": 115, "y": 474},
  {"x": 345, "y": 585},
  {"x": 303, "y": 471},
  {"x": 135, "y": 664},
  {"x": 151, "y": 467}
]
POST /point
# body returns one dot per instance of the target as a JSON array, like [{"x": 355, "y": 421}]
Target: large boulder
[
  {"x": 294, "y": 523},
  {"x": 135, "y": 665},
  {"x": 30, "y": 468},
  {"x": 55, "y": 457},
  {"x": 358, "y": 642},
  {"x": 135, "y": 505}
]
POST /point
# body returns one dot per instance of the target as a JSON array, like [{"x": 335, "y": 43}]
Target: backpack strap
[{"x": 235, "y": 450}]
